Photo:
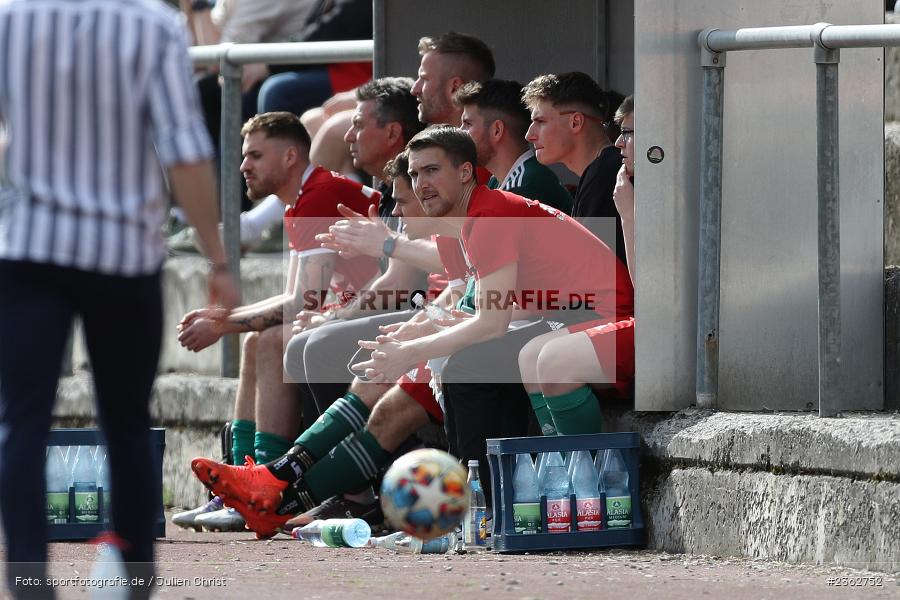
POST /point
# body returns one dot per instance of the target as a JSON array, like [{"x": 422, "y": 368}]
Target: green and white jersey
[{"x": 532, "y": 180}]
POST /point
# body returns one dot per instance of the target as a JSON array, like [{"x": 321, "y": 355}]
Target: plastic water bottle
[
  {"x": 335, "y": 533},
  {"x": 57, "y": 486},
  {"x": 526, "y": 497},
  {"x": 614, "y": 475},
  {"x": 540, "y": 467},
  {"x": 556, "y": 489},
  {"x": 585, "y": 481},
  {"x": 439, "y": 545},
  {"x": 100, "y": 463},
  {"x": 475, "y": 525},
  {"x": 84, "y": 480},
  {"x": 388, "y": 542},
  {"x": 110, "y": 570},
  {"x": 432, "y": 310}
]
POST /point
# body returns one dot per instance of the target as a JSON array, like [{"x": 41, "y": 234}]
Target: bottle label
[
  {"x": 333, "y": 536},
  {"x": 86, "y": 507},
  {"x": 477, "y": 530},
  {"x": 588, "y": 516},
  {"x": 57, "y": 507},
  {"x": 527, "y": 517},
  {"x": 559, "y": 517},
  {"x": 618, "y": 511}
]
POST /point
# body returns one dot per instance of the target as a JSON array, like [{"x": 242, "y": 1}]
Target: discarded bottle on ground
[
  {"x": 57, "y": 486},
  {"x": 335, "y": 533},
  {"x": 526, "y": 497},
  {"x": 108, "y": 568},
  {"x": 585, "y": 481},
  {"x": 475, "y": 525},
  {"x": 84, "y": 480},
  {"x": 614, "y": 476},
  {"x": 556, "y": 490},
  {"x": 439, "y": 545}
]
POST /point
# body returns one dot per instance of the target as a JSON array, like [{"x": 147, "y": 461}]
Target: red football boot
[{"x": 252, "y": 490}]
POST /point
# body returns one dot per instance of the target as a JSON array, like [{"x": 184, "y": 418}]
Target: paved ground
[{"x": 206, "y": 566}]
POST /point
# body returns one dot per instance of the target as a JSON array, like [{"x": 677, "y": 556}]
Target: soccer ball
[{"x": 425, "y": 493}]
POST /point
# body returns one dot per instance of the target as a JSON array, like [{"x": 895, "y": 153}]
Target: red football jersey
[
  {"x": 560, "y": 264},
  {"x": 316, "y": 210}
]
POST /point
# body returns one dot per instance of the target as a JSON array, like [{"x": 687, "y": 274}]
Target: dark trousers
[
  {"x": 483, "y": 393},
  {"x": 122, "y": 319}
]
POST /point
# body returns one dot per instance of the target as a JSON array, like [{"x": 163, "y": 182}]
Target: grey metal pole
[
  {"x": 711, "y": 128},
  {"x": 230, "y": 192},
  {"x": 829, "y": 217}
]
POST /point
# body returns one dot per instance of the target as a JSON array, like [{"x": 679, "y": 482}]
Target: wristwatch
[{"x": 389, "y": 244}]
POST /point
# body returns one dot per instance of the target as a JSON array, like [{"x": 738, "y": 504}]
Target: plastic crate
[
  {"x": 501, "y": 459},
  {"x": 86, "y": 531}
]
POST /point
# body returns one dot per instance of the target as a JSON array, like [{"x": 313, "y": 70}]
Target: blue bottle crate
[
  {"x": 87, "y": 531},
  {"x": 501, "y": 460}
]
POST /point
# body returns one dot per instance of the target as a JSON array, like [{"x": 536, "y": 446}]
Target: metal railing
[
  {"x": 231, "y": 59},
  {"x": 827, "y": 40}
]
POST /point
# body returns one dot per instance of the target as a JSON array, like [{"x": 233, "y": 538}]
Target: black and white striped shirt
[{"x": 95, "y": 95}]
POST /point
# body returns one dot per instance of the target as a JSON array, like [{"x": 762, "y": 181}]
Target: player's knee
[
  {"x": 293, "y": 360},
  {"x": 552, "y": 364},
  {"x": 370, "y": 393},
  {"x": 251, "y": 341},
  {"x": 528, "y": 358}
]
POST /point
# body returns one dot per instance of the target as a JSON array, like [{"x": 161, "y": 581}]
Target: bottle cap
[{"x": 473, "y": 463}]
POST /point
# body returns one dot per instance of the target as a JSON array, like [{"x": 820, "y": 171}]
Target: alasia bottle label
[
  {"x": 618, "y": 511},
  {"x": 527, "y": 517},
  {"x": 559, "y": 516},
  {"x": 86, "y": 507},
  {"x": 588, "y": 515},
  {"x": 333, "y": 536},
  {"x": 57, "y": 507}
]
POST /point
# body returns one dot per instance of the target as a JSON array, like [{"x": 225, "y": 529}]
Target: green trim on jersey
[{"x": 530, "y": 179}]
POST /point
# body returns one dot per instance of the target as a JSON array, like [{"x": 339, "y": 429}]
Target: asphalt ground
[{"x": 217, "y": 566}]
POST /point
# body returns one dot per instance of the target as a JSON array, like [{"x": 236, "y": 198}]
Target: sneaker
[
  {"x": 338, "y": 507},
  {"x": 188, "y": 519},
  {"x": 251, "y": 489},
  {"x": 226, "y": 519}
]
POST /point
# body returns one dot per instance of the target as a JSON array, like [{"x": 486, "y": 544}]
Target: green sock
[
  {"x": 353, "y": 464},
  {"x": 242, "y": 433},
  {"x": 575, "y": 412},
  {"x": 347, "y": 415},
  {"x": 269, "y": 446},
  {"x": 544, "y": 418}
]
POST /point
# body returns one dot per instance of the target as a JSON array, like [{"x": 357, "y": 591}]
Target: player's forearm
[
  {"x": 382, "y": 295},
  {"x": 422, "y": 254},
  {"x": 453, "y": 339},
  {"x": 273, "y": 311}
]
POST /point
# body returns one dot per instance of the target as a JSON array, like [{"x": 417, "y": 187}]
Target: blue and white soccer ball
[{"x": 425, "y": 493}]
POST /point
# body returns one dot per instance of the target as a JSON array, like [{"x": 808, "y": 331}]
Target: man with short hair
[
  {"x": 276, "y": 161},
  {"x": 519, "y": 252},
  {"x": 572, "y": 123},
  {"x": 354, "y": 438},
  {"x": 448, "y": 61},
  {"x": 496, "y": 119}
]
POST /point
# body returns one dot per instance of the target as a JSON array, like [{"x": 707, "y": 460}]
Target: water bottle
[
  {"x": 475, "y": 525},
  {"x": 388, "y": 542},
  {"x": 84, "y": 480},
  {"x": 57, "y": 486},
  {"x": 100, "y": 463},
  {"x": 432, "y": 310},
  {"x": 526, "y": 497},
  {"x": 556, "y": 489},
  {"x": 540, "y": 467},
  {"x": 108, "y": 569},
  {"x": 585, "y": 481},
  {"x": 614, "y": 475},
  {"x": 439, "y": 545},
  {"x": 335, "y": 533}
]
